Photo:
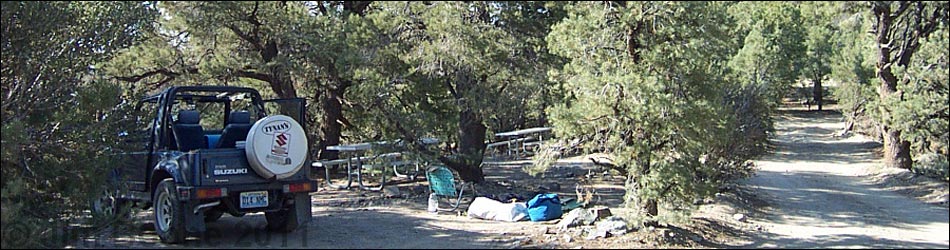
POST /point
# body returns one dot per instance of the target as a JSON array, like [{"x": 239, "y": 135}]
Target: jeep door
[{"x": 135, "y": 146}]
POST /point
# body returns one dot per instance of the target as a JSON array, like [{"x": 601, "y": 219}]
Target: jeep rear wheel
[{"x": 169, "y": 213}]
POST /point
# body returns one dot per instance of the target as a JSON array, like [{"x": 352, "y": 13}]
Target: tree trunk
[
  {"x": 896, "y": 150},
  {"x": 651, "y": 208},
  {"x": 333, "y": 120},
  {"x": 633, "y": 44},
  {"x": 468, "y": 159},
  {"x": 284, "y": 87},
  {"x": 847, "y": 127},
  {"x": 817, "y": 91},
  {"x": 648, "y": 207},
  {"x": 280, "y": 82}
]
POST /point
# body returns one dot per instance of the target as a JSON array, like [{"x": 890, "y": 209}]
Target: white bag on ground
[{"x": 488, "y": 209}]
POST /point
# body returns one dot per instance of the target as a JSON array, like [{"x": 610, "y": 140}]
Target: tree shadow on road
[
  {"x": 838, "y": 241},
  {"x": 357, "y": 228},
  {"x": 838, "y": 211},
  {"x": 799, "y": 139},
  {"x": 821, "y": 197}
]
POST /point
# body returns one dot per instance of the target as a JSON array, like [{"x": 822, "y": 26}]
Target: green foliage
[
  {"x": 678, "y": 94},
  {"x": 376, "y": 70},
  {"x": 924, "y": 113},
  {"x": 820, "y": 29},
  {"x": 933, "y": 165},
  {"x": 282, "y": 49},
  {"x": 654, "y": 107},
  {"x": 818, "y": 41},
  {"x": 852, "y": 67},
  {"x": 774, "y": 50},
  {"x": 436, "y": 61},
  {"x": 750, "y": 123},
  {"x": 60, "y": 116},
  {"x": 911, "y": 40}
]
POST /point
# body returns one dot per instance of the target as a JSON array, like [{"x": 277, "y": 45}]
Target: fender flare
[{"x": 170, "y": 165}]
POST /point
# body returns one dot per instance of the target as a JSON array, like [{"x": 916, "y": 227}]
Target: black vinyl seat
[
  {"x": 188, "y": 131},
  {"x": 239, "y": 124}
]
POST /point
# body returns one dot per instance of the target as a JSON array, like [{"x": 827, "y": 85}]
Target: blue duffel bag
[{"x": 544, "y": 207}]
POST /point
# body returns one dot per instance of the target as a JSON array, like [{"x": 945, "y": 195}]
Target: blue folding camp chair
[{"x": 442, "y": 184}]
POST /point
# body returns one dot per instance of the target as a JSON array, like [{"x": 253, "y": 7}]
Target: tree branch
[
  {"x": 169, "y": 75},
  {"x": 608, "y": 164},
  {"x": 451, "y": 89},
  {"x": 503, "y": 86},
  {"x": 253, "y": 17},
  {"x": 254, "y": 41},
  {"x": 323, "y": 9},
  {"x": 254, "y": 75},
  {"x": 358, "y": 7},
  {"x": 137, "y": 78}
]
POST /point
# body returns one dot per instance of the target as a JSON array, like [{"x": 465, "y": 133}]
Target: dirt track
[
  {"x": 401, "y": 224},
  {"x": 820, "y": 196},
  {"x": 362, "y": 219},
  {"x": 813, "y": 191}
]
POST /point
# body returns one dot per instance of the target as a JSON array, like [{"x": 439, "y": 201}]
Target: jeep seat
[
  {"x": 239, "y": 123},
  {"x": 188, "y": 131}
]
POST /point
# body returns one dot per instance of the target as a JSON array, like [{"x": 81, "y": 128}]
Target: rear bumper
[
  {"x": 188, "y": 193},
  {"x": 279, "y": 197}
]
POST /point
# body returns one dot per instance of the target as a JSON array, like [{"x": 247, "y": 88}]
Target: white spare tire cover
[{"x": 276, "y": 146}]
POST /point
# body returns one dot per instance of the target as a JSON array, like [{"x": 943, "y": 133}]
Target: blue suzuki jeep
[{"x": 202, "y": 151}]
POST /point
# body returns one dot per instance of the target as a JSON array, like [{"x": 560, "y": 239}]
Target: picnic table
[
  {"x": 520, "y": 137},
  {"x": 356, "y": 163}
]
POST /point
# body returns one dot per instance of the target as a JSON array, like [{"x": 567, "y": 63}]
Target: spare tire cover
[{"x": 276, "y": 146}]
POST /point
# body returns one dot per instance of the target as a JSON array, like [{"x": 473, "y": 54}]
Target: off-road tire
[
  {"x": 108, "y": 207},
  {"x": 169, "y": 213}
]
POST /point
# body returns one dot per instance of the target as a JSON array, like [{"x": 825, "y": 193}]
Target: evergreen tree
[
  {"x": 645, "y": 80},
  {"x": 817, "y": 18},
  {"x": 852, "y": 66},
  {"x": 899, "y": 29},
  {"x": 59, "y": 113},
  {"x": 773, "y": 52}
]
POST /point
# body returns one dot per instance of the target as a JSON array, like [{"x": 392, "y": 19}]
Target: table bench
[{"x": 355, "y": 165}]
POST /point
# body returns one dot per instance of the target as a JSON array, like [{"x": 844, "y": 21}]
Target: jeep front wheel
[
  {"x": 108, "y": 207},
  {"x": 169, "y": 213},
  {"x": 104, "y": 205}
]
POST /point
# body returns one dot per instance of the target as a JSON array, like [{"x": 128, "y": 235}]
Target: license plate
[{"x": 254, "y": 199}]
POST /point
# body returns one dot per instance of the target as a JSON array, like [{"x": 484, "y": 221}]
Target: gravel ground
[{"x": 820, "y": 193}]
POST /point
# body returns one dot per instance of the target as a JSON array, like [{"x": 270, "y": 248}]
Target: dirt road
[
  {"x": 811, "y": 192},
  {"x": 401, "y": 224},
  {"x": 361, "y": 220},
  {"x": 819, "y": 195}
]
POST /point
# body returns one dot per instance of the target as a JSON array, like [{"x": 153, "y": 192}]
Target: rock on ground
[
  {"x": 614, "y": 225},
  {"x": 576, "y": 217}
]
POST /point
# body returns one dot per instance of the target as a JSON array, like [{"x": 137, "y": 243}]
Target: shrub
[{"x": 933, "y": 165}]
